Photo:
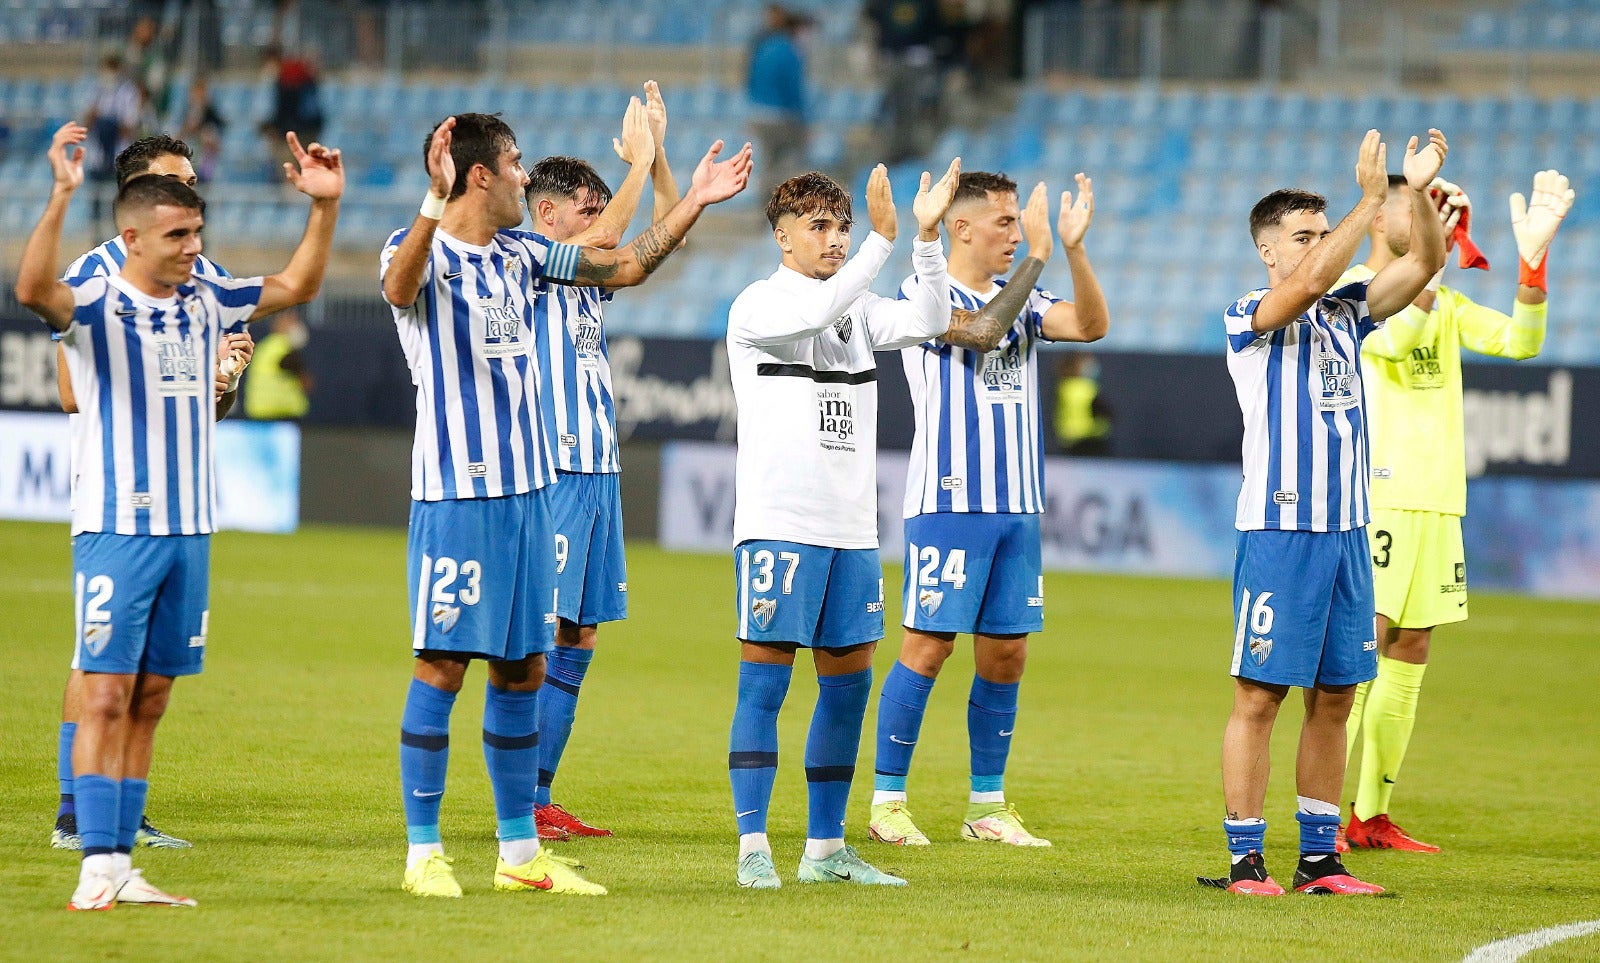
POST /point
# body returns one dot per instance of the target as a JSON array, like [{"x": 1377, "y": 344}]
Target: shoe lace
[
  {"x": 1011, "y": 811},
  {"x": 567, "y": 861}
]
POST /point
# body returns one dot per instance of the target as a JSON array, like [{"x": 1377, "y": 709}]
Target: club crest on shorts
[
  {"x": 929, "y": 600},
  {"x": 96, "y": 636},
  {"x": 762, "y": 610},
  {"x": 446, "y": 616},
  {"x": 1260, "y": 648}
]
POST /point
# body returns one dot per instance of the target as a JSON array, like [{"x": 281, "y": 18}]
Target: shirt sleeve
[
  {"x": 1354, "y": 297},
  {"x": 921, "y": 312},
  {"x": 1238, "y": 320},
  {"x": 760, "y": 320},
  {"x": 1039, "y": 302},
  {"x": 237, "y": 297},
  {"x": 1399, "y": 335},
  {"x": 1487, "y": 331},
  {"x": 385, "y": 258}
]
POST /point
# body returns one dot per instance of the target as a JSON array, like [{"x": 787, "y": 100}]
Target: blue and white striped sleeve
[
  {"x": 1354, "y": 297},
  {"x": 238, "y": 298},
  {"x": 1238, "y": 320}
]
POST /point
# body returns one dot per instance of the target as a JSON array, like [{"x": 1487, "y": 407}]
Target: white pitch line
[{"x": 1516, "y": 947}]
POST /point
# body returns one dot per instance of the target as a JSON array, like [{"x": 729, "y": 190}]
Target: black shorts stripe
[
  {"x": 495, "y": 740},
  {"x": 752, "y": 760},
  {"x": 830, "y": 773},
  {"x": 417, "y": 740},
  {"x": 770, "y": 369}
]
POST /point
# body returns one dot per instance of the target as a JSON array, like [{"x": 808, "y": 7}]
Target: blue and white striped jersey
[
  {"x": 1299, "y": 388},
  {"x": 577, "y": 376},
  {"x": 107, "y": 259},
  {"x": 142, "y": 369},
  {"x": 979, "y": 438},
  {"x": 482, "y": 430}
]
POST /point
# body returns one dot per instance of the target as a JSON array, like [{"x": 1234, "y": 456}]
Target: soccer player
[
  {"x": 975, "y": 488},
  {"x": 1418, "y": 473},
  {"x": 805, "y": 523},
  {"x": 1302, "y": 585},
  {"x": 140, "y": 344},
  {"x": 566, "y": 197},
  {"x": 481, "y": 559},
  {"x": 168, "y": 157}
]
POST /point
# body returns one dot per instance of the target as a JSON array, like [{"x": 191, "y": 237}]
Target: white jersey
[
  {"x": 980, "y": 439},
  {"x": 142, "y": 371},
  {"x": 482, "y": 431},
  {"x": 1300, "y": 390},
  {"x": 805, "y": 381},
  {"x": 577, "y": 376}
]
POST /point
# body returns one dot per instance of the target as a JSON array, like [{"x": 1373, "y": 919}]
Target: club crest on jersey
[
  {"x": 1260, "y": 648},
  {"x": 446, "y": 616},
  {"x": 96, "y": 636},
  {"x": 761, "y": 612},
  {"x": 514, "y": 270},
  {"x": 929, "y": 600},
  {"x": 843, "y": 328}
]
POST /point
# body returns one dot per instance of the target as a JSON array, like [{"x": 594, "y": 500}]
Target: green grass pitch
[{"x": 280, "y": 762}]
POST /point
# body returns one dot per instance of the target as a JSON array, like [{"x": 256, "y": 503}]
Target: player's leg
[
  {"x": 851, "y": 625},
  {"x": 97, "y": 759},
  {"x": 1013, "y": 607},
  {"x": 1348, "y": 657},
  {"x": 436, "y": 679},
  {"x": 65, "y": 833},
  {"x": 151, "y": 693},
  {"x": 901, "y": 706}
]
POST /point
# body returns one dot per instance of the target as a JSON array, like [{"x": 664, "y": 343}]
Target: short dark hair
[
  {"x": 137, "y": 157},
  {"x": 476, "y": 139},
  {"x": 810, "y": 193},
  {"x": 1397, "y": 181},
  {"x": 153, "y": 190},
  {"x": 1271, "y": 209},
  {"x": 978, "y": 185},
  {"x": 561, "y": 176}
]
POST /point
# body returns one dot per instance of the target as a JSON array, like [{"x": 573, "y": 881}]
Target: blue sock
[
  {"x": 1245, "y": 835},
  {"x": 130, "y": 807},
  {"x": 991, "y": 716},
  {"x": 99, "y": 808},
  {"x": 831, "y": 749},
  {"x": 424, "y": 758},
  {"x": 558, "y": 706},
  {"x": 511, "y": 751},
  {"x": 901, "y": 706},
  {"x": 69, "y": 731},
  {"x": 1317, "y": 833},
  {"x": 753, "y": 743}
]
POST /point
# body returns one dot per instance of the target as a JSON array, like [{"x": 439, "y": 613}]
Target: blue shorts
[
  {"x": 141, "y": 602},
  {"x": 821, "y": 598},
  {"x": 973, "y": 572},
  {"x": 591, "y": 569},
  {"x": 482, "y": 573},
  {"x": 1302, "y": 608}
]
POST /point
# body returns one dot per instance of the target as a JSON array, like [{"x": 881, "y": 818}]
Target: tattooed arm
[{"x": 984, "y": 329}]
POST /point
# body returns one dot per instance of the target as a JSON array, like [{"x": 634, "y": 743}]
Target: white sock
[
  {"x": 517, "y": 852},
  {"x": 99, "y": 864},
  {"x": 822, "y": 848},
  {"x": 418, "y": 852},
  {"x": 986, "y": 797},
  {"x": 121, "y": 865},
  {"x": 881, "y": 796},
  {"x": 754, "y": 843},
  {"x": 1316, "y": 807}
]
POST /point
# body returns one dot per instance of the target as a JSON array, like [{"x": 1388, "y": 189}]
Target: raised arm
[
  {"x": 402, "y": 282},
  {"x": 714, "y": 181},
  {"x": 318, "y": 173},
  {"x": 925, "y": 312},
  {"x": 1402, "y": 279},
  {"x": 661, "y": 179},
  {"x": 637, "y": 148},
  {"x": 1085, "y": 317},
  {"x": 39, "y": 286},
  {"x": 984, "y": 329},
  {"x": 1319, "y": 270}
]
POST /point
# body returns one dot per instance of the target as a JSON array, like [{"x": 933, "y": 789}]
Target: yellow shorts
[{"x": 1419, "y": 568}]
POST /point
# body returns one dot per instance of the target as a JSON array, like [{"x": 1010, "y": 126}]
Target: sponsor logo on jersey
[
  {"x": 477, "y": 469},
  {"x": 141, "y": 500},
  {"x": 836, "y": 418},
  {"x": 446, "y": 616},
  {"x": 950, "y": 482},
  {"x": 762, "y": 610},
  {"x": 96, "y": 636},
  {"x": 1286, "y": 498},
  {"x": 178, "y": 366},
  {"x": 929, "y": 600},
  {"x": 1382, "y": 473},
  {"x": 569, "y": 440},
  {"x": 1260, "y": 648}
]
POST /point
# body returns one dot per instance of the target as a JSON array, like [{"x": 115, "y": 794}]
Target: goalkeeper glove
[{"x": 1535, "y": 222}]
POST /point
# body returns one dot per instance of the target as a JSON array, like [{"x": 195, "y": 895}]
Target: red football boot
[
  {"x": 1247, "y": 877},
  {"x": 1327, "y": 876},
  {"x": 568, "y": 825},
  {"x": 1380, "y": 832}
]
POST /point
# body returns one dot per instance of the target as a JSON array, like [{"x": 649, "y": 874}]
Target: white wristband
[
  {"x": 1433, "y": 283},
  {"x": 432, "y": 207}
]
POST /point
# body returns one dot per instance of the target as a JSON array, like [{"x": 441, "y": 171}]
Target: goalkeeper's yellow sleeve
[
  {"x": 1399, "y": 336},
  {"x": 1519, "y": 335}
]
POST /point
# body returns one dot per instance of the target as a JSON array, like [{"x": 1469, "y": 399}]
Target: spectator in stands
[
  {"x": 278, "y": 382},
  {"x": 776, "y": 87},
  {"x": 909, "y": 39},
  {"x": 1083, "y": 419},
  {"x": 115, "y": 109},
  {"x": 202, "y": 128},
  {"x": 147, "y": 60},
  {"x": 297, "y": 99}
]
